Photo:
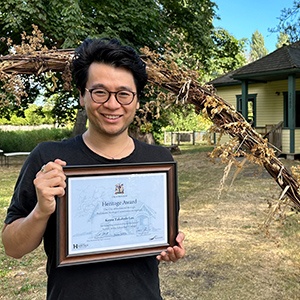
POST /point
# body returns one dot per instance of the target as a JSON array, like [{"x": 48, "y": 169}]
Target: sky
[{"x": 241, "y": 18}]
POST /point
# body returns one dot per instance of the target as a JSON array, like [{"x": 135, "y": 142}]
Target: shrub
[{"x": 19, "y": 140}]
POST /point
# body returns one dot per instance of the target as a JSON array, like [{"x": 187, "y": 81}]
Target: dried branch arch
[{"x": 246, "y": 141}]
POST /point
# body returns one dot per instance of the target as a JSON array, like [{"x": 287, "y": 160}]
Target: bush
[
  {"x": 25, "y": 141},
  {"x": 33, "y": 115}
]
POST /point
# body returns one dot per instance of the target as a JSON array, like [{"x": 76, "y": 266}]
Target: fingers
[
  {"x": 57, "y": 164},
  {"x": 172, "y": 254},
  {"x": 50, "y": 182},
  {"x": 51, "y": 179},
  {"x": 180, "y": 238}
]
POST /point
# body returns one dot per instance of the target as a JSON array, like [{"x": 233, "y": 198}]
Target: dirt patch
[{"x": 229, "y": 254}]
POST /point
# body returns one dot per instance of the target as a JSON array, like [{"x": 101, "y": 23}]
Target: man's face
[{"x": 110, "y": 118}]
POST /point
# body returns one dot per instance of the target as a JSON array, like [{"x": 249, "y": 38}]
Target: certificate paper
[
  {"x": 107, "y": 213},
  {"x": 119, "y": 211}
]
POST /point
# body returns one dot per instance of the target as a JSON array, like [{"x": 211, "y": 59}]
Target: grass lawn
[{"x": 230, "y": 255}]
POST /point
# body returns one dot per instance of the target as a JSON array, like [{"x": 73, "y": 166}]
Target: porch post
[
  {"x": 245, "y": 98},
  {"x": 292, "y": 110}
]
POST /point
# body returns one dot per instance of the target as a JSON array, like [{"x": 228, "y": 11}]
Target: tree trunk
[
  {"x": 80, "y": 123},
  {"x": 144, "y": 137}
]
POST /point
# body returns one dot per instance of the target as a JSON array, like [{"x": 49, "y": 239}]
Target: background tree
[
  {"x": 282, "y": 39},
  {"x": 187, "y": 27},
  {"x": 64, "y": 23},
  {"x": 61, "y": 21},
  {"x": 227, "y": 54},
  {"x": 257, "y": 46},
  {"x": 289, "y": 22}
]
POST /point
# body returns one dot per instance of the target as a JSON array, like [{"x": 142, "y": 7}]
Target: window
[{"x": 251, "y": 108}]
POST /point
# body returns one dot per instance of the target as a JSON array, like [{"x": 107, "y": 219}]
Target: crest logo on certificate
[{"x": 119, "y": 189}]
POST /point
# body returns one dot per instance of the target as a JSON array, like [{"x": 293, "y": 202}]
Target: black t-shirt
[{"x": 127, "y": 279}]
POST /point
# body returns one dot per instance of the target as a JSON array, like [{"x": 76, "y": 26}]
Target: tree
[
  {"x": 282, "y": 39},
  {"x": 187, "y": 26},
  {"x": 61, "y": 21},
  {"x": 64, "y": 23},
  {"x": 289, "y": 22},
  {"x": 227, "y": 53},
  {"x": 257, "y": 46}
]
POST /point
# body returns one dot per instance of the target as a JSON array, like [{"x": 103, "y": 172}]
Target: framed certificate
[{"x": 116, "y": 211}]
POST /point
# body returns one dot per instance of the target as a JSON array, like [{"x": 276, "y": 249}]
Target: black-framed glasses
[{"x": 100, "y": 96}]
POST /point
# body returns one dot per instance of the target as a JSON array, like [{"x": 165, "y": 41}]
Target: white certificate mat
[
  {"x": 117, "y": 211},
  {"x": 108, "y": 212}
]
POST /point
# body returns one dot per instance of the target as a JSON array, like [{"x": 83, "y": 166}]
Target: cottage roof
[{"x": 274, "y": 66}]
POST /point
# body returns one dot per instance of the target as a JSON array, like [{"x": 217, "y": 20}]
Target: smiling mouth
[{"x": 111, "y": 117}]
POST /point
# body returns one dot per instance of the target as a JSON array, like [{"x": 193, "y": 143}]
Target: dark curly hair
[{"x": 108, "y": 51}]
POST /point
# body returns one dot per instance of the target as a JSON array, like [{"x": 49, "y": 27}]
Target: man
[{"x": 110, "y": 78}]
